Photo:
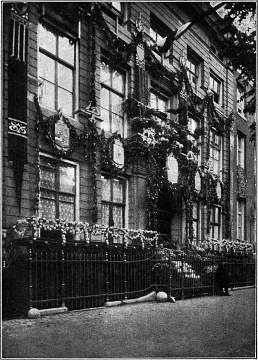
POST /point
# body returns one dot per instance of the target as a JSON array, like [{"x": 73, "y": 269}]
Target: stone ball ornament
[{"x": 162, "y": 296}]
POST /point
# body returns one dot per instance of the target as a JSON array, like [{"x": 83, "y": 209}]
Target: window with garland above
[
  {"x": 57, "y": 189},
  {"x": 215, "y": 222},
  {"x": 113, "y": 201},
  {"x": 56, "y": 65},
  {"x": 112, "y": 95},
  {"x": 215, "y": 152}
]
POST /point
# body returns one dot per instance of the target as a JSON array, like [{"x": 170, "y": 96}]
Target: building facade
[{"x": 106, "y": 121}]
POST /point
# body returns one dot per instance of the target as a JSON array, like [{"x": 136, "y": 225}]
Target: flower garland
[{"x": 23, "y": 226}]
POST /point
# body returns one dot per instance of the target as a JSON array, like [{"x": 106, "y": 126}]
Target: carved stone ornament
[
  {"x": 218, "y": 190},
  {"x": 140, "y": 56},
  {"x": 183, "y": 92},
  {"x": 172, "y": 169},
  {"x": 148, "y": 135},
  {"x": 197, "y": 182},
  {"x": 118, "y": 154},
  {"x": 17, "y": 127},
  {"x": 242, "y": 182}
]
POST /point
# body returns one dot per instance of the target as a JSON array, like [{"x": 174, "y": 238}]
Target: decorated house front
[{"x": 110, "y": 126}]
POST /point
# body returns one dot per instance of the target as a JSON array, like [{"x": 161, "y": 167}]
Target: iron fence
[{"x": 46, "y": 274}]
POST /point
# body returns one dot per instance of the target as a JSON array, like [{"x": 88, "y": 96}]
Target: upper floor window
[
  {"x": 196, "y": 222},
  {"x": 216, "y": 88},
  {"x": 241, "y": 219},
  {"x": 113, "y": 202},
  {"x": 193, "y": 65},
  {"x": 240, "y": 101},
  {"x": 158, "y": 102},
  {"x": 215, "y": 222},
  {"x": 112, "y": 95},
  {"x": 56, "y": 71},
  {"x": 241, "y": 150},
  {"x": 192, "y": 126},
  {"x": 158, "y": 33},
  {"x": 215, "y": 152},
  {"x": 57, "y": 189}
]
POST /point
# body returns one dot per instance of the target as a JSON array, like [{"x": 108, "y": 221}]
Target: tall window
[
  {"x": 241, "y": 150},
  {"x": 193, "y": 65},
  {"x": 240, "y": 101},
  {"x": 158, "y": 102},
  {"x": 196, "y": 223},
  {"x": 57, "y": 189},
  {"x": 113, "y": 201},
  {"x": 215, "y": 222},
  {"x": 216, "y": 88},
  {"x": 56, "y": 71},
  {"x": 111, "y": 97},
  {"x": 158, "y": 32},
  {"x": 192, "y": 126},
  {"x": 215, "y": 152},
  {"x": 241, "y": 219}
]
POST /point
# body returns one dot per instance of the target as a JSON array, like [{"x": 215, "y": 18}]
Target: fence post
[
  {"x": 125, "y": 274},
  {"x": 169, "y": 276},
  {"x": 63, "y": 276},
  {"x": 182, "y": 280},
  {"x": 30, "y": 289},
  {"x": 107, "y": 277}
]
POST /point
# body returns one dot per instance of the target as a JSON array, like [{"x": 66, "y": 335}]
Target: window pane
[
  {"x": 116, "y": 104},
  {"x": 106, "y": 189},
  {"x": 117, "y": 5},
  {"x": 118, "y": 81},
  {"x": 118, "y": 216},
  {"x": 104, "y": 98},
  {"x": 216, "y": 232},
  {"x": 65, "y": 77},
  {"x": 105, "y": 75},
  {"x": 48, "y": 208},
  {"x": 153, "y": 100},
  {"x": 162, "y": 105},
  {"x": 105, "y": 214},
  {"x": 47, "y": 179},
  {"x": 46, "y": 68},
  {"x": 47, "y": 40},
  {"x": 194, "y": 229},
  {"x": 47, "y": 94},
  {"x": 195, "y": 214},
  {"x": 105, "y": 124},
  {"x": 66, "y": 211},
  {"x": 66, "y": 50},
  {"x": 118, "y": 191},
  {"x": 216, "y": 217},
  {"x": 67, "y": 179},
  {"x": 117, "y": 124},
  {"x": 65, "y": 102}
]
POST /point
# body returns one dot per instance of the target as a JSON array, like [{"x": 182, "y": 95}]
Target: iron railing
[{"x": 44, "y": 274}]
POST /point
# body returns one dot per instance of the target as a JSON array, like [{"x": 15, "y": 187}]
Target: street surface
[{"x": 199, "y": 327}]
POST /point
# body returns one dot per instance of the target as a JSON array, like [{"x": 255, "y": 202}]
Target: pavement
[{"x": 218, "y": 327}]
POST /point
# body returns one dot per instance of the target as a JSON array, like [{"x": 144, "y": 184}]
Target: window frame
[
  {"x": 241, "y": 150},
  {"x": 113, "y": 90},
  {"x": 213, "y": 223},
  {"x": 57, "y": 60},
  {"x": 194, "y": 59},
  {"x": 159, "y": 28},
  {"x": 241, "y": 211},
  {"x": 112, "y": 203},
  {"x": 159, "y": 96},
  {"x": 213, "y": 146},
  {"x": 197, "y": 221},
  {"x": 216, "y": 95},
  {"x": 56, "y": 191}
]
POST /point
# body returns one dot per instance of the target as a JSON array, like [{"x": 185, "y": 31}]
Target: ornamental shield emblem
[
  {"x": 62, "y": 135},
  {"x": 118, "y": 154}
]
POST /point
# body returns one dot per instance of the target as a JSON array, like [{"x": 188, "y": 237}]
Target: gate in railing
[{"x": 45, "y": 274}]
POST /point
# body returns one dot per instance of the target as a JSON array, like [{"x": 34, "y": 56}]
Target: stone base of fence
[
  {"x": 150, "y": 297},
  {"x": 35, "y": 313}
]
